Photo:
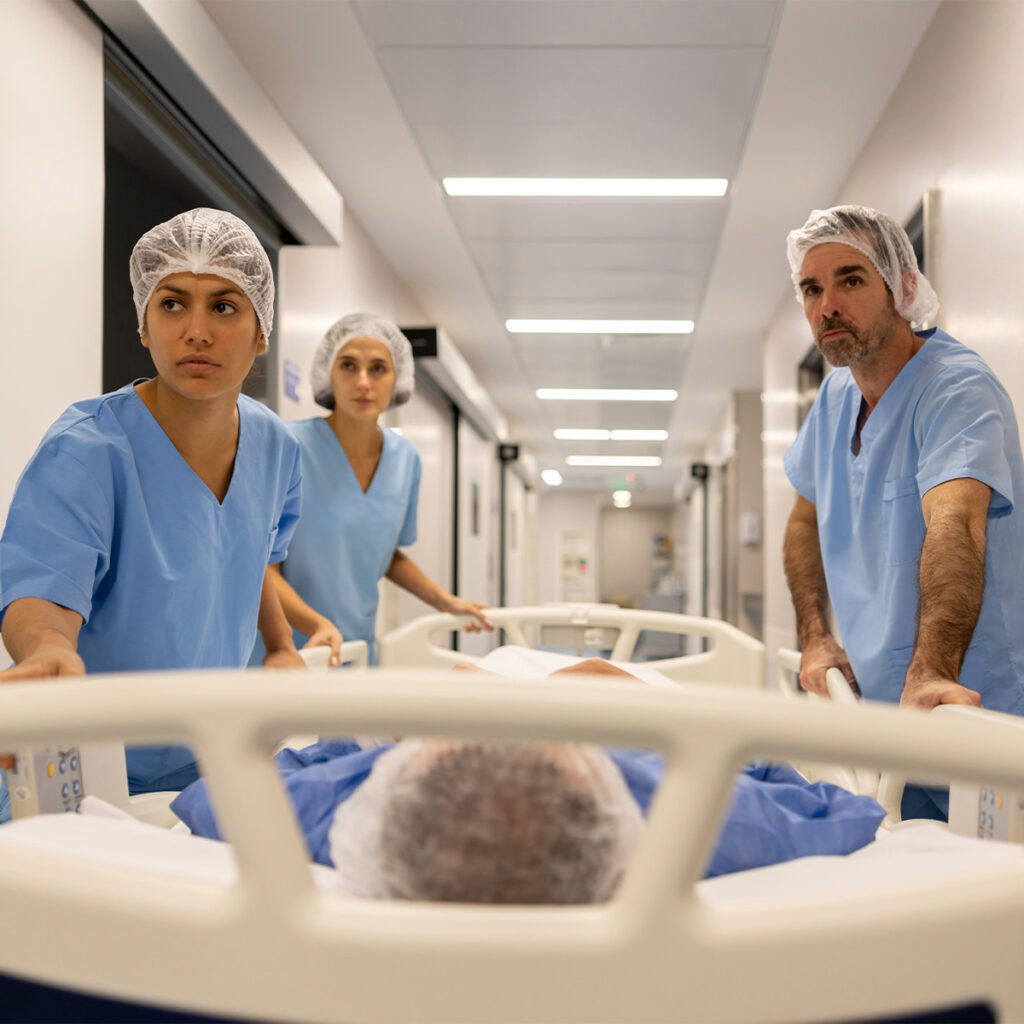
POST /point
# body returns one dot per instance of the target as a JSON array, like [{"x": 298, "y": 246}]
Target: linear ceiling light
[
  {"x": 552, "y": 477},
  {"x": 612, "y": 460},
  {"x": 607, "y": 394},
  {"x": 568, "y": 434},
  {"x": 588, "y": 188},
  {"x": 599, "y": 326}
]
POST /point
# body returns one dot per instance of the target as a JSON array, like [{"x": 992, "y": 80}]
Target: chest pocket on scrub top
[{"x": 902, "y": 521}]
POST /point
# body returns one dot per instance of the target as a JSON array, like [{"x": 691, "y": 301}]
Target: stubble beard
[{"x": 856, "y": 346}]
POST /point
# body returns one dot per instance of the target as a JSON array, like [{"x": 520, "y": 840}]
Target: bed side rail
[
  {"x": 272, "y": 946},
  {"x": 734, "y": 659},
  {"x": 855, "y": 779}
]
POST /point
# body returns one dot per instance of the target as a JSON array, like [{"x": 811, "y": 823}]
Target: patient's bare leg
[
  {"x": 469, "y": 666},
  {"x": 594, "y": 667}
]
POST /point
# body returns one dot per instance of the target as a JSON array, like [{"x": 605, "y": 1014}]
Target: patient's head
[{"x": 475, "y": 822}]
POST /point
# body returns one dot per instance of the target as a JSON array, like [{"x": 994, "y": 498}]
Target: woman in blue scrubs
[
  {"x": 140, "y": 532},
  {"x": 361, "y": 487}
]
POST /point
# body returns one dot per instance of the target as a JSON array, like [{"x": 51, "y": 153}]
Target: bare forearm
[
  {"x": 952, "y": 582},
  {"x": 405, "y": 573},
  {"x": 303, "y": 617},
  {"x": 32, "y": 623},
  {"x": 805, "y": 575},
  {"x": 273, "y": 626}
]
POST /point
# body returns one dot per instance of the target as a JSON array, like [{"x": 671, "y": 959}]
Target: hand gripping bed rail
[
  {"x": 735, "y": 659},
  {"x": 272, "y": 946}
]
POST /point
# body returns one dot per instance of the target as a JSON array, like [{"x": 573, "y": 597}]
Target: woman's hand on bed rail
[
  {"x": 459, "y": 606},
  {"x": 45, "y": 662},
  {"x": 326, "y": 634},
  {"x": 819, "y": 656},
  {"x": 42, "y": 638}
]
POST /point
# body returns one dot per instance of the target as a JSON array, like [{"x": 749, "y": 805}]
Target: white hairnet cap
[
  {"x": 883, "y": 241},
  {"x": 204, "y": 241},
  {"x": 363, "y": 325},
  {"x": 468, "y": 821}
]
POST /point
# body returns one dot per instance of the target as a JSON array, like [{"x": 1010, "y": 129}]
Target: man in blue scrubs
[{"x": 908, "y": 470}]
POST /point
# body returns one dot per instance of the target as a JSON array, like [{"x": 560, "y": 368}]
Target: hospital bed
[
  {"x": 915, "y": 922},
  {"x": 733, "y": 658}
]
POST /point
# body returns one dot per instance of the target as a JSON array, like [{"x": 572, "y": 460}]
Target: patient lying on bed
[{"x": 464, "y": 821}]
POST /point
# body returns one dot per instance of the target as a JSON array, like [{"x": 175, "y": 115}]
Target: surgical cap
[
  {"x": 363, "y": 325},
  {"x": 579, "y": 822},
  {"x": 204, "y": 241},
  {"x": 882, "y": 241}
]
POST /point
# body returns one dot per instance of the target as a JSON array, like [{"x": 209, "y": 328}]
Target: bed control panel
[
  {"x": 44, "y": 780},
  {"x": 987, "y": 813}
]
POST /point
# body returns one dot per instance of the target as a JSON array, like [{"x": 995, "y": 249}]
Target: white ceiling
[{"x": 392, "y": 95}]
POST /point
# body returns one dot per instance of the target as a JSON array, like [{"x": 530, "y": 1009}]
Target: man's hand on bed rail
[
  {"x": 929, "y": 691},
  {"x": 819, "y": 656}
]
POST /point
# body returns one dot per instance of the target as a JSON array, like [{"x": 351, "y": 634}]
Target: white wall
[
  {"x": 517, "y": 528},
  {"x": 478, "y": 527},
  {"x": 51, "y": 222},
  {"x": 560, "y": 513},
  {"x": 626, "y": 552},
  {"x": 955, "y": 124},
  {"x": 427, "y": 422}
]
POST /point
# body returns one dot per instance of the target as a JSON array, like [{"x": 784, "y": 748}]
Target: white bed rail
[
  {"x": 735, "y": 659},
  {"x": 274, "y": 947},
  {"x": 855, "y": 779}
]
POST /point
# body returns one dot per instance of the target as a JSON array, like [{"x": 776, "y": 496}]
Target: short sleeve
[
  {"x": 799, "y": 460},
  {"x": 290, "y": 513},
  {"x": 57, "y": 542},
  {"x": 408, "y": 534},
  {"x": 962, "y": 433}
]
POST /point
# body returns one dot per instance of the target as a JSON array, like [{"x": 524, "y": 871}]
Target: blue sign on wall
[{"x": 292, "y": 377}]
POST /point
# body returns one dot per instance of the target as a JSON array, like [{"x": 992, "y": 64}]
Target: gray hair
[{"x": 475, "y": 822}]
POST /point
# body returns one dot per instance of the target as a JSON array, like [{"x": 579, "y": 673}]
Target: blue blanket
[{"x": 775, "y": 815}]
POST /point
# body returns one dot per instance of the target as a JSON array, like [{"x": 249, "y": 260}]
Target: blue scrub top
[
  {"x": 944, "y": 417},
  {"x": 110, "y": 521},
  {"x": 775, "y": 814},
  {"x": 347, "y": 538}
]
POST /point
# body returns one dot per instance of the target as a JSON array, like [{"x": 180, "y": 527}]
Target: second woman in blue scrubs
[{"x": 360, "y": 491}]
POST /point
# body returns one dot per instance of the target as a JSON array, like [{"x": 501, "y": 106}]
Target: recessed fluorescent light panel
[
  {"x": 552, "y": 477},
  {"x": 599, "y": 326},
  {"x": 612, "y": 460},
  {"x": 588, "y": 188},
  {"x": 568, "y": 434},
  {"x": 606, "y": 395}
]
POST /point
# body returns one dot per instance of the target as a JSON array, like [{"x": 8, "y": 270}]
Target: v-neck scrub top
[
  {"x": 944, "y": 417},
  {"x": 110, "y": 521},
  {"x": 347, "y": 538}
]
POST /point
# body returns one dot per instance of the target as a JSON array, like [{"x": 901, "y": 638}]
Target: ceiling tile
[{"x": 568, "y": 22}]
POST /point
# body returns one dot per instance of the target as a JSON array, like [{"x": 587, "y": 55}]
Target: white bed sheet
[
  {"x": 107, "y": 836},
  {"x": 916, "y": 857}
]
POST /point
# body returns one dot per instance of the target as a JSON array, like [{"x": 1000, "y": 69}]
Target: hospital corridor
[{"x": 509, "y": 511}]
